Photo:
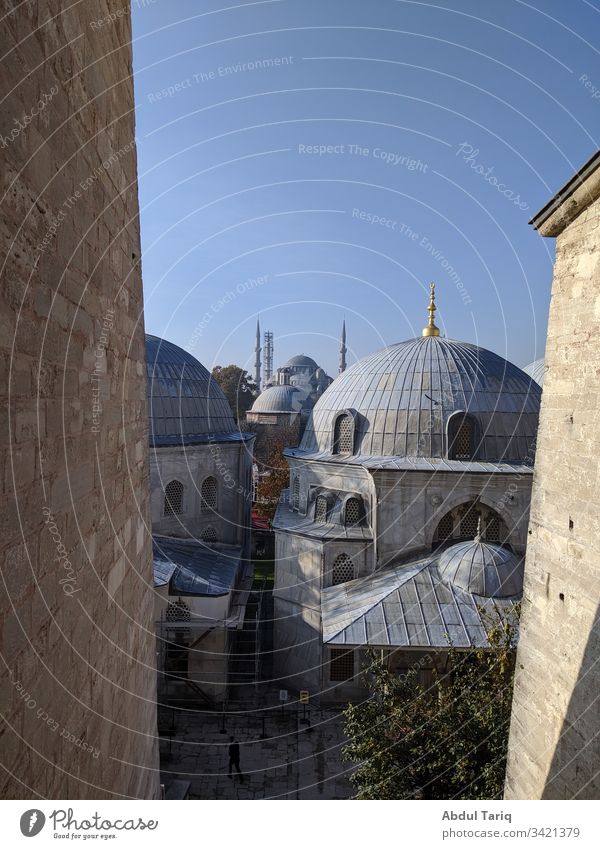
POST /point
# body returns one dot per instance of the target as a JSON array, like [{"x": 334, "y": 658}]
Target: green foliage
[
  {"x": 238, "y": 387},
  {"x": 446, "y": 741}
]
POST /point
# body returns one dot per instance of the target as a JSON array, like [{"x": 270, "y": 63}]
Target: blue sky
[{"x": 307, "y": 161}]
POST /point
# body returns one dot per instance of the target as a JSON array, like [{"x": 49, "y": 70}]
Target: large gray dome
[
  {"x": 403, "y": 396},
  {"x": 185, "y": 403},
  {"x": 483, "y": 569},
  {"x": 536, "y": 370},
  {"x": 279, "y": 399},
  {"x": 301, "y": 360}
]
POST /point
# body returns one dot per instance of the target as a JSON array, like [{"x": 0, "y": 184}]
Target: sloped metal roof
[
  {"x": 413, "y": 464},
  {"x": 287, "y": 519},
  {"x": 403, "y": 396},
  {"x": 407, "y": 606},
  {"x": 184, "y": 400},
  {"x": 191, "y": 567}
]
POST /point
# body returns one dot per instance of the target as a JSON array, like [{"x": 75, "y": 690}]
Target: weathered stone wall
[
  {"x": 553, "y": 752},
  {"x": 76, "y": 603}
]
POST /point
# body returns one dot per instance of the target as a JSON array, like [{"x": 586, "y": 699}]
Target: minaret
[
  {"x": 343, "y": 349},
  {"x": 431, "y": 329},
  {"x": 257, "y": 362}
]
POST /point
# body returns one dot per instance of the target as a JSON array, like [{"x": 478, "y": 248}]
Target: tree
[
  {"x": 238, "y": 387},
  {"x": 447, "y": 741},
  {"x": 272, "y": 466}
]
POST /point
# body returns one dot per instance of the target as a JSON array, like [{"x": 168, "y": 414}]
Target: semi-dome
[
  {"x": 482, "y": 568},
  {"x": 279, "y": 399},
  {"x": 301, "y": 360},
  {"x": 536, "y": 370},
  {"x": 412, "y": 398},
  {"x": 185, "y": 402}
]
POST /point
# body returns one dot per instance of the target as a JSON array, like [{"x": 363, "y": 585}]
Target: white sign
[{"x": 283, "y": 695}]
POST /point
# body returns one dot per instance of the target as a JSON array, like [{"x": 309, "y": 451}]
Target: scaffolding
[{"x": 268, "y": 353}]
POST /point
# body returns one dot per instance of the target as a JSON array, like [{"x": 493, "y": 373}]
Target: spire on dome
[{"x": 431, "y": 329}]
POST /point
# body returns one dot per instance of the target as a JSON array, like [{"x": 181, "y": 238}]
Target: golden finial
[
  {"x": 431, "y": 329},
  {"x": 479, "y": 530}
]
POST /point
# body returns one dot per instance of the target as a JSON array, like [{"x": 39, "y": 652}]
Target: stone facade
[
  {"x": 76, "y": 603},
  {"x": 554, "y": 749}
]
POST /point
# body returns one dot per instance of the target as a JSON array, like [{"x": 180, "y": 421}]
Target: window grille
[
  {"x": 341, "y": 664},
  {"x": 208, "y": 535},
  {"x": 468, "y": 523},
  {"x": 460, "y": 436},
  {"x": 208, "y": 494},
  {"x": 173, "y": 498},
  {"x": 178, "y": 611},
  {"x": 342, "y": 570},
  {"x": 353, "y": 512},
  {"x": 296, "y": 494},
  {"x": 445, "y": 528},
  {"x": 492, "y": 531},
  {"x": 343, "y": 436},
  {"x": 321, "y": 509}
]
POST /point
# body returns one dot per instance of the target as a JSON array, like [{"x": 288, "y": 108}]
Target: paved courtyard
[{"x": 291, "y": 761}]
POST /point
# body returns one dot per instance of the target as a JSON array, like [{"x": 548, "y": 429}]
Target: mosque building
[
  {"x": 290, "y": 393},
  {"x": 407, "y": 512},
  {"x": 200, "y": 480},
  {"x": 536, "y": 370}
]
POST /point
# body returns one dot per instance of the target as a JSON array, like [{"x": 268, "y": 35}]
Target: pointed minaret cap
[{"x": 431, "y": 329}]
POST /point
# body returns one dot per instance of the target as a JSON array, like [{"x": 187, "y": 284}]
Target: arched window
[
  {"x": 208, "y": 494},
  {"x": 173, "y": 498},
  {"x": 343, "y": 435},
  {"x": 461, "y": 524},
  {"x": 342, "y": 570},
  {"x": 321, "y": 509},
  {"x": 208, "y": 535},
  {"x": 296, "y": 493},
  {"x": 461, "y": 437},
  {"x": 353, "y": 512}
]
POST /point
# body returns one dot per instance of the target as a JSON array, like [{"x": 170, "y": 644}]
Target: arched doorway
[{"x": 461, "y": 523}]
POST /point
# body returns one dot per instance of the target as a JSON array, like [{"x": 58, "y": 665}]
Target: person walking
[{"x": 234, "y": 759}]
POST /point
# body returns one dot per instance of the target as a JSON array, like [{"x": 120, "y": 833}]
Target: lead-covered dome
[
  {"x": 279, "y": 399},
  {"x": 536, "y": 370},
  {"x": 185, "y": 402},
  {"x": 301, "y": 360},
  {"x": 423, "y": 398},
  {"x": 483, "y": 569}
]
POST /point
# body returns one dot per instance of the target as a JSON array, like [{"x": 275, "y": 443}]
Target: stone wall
[
  {"x": 76, "y": 600},
  {"x": 554, "y": 749}
]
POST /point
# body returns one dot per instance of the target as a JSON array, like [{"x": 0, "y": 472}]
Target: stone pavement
[{"x": 292, "y": 762}]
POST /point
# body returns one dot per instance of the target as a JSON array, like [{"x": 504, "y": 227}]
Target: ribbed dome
[
  {"x": 403, "y": 396},
  {"x": 184, "y": 400},
  {"x": 536, "y": 370},
  {"x": 483, "y": 569},
  {"x": 301, "y": 360},
  {"x": 279, "y": 399}
]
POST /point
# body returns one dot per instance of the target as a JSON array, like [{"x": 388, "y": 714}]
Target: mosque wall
[
  {"x": 554, "y": 748},
  {"x": 76, "y": 602},
  {"x": 410, "y": 506},
  {"x": 229, "y": 465}
]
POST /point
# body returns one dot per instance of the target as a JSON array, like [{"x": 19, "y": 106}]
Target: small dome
[
  {"x": 402, "y": 398},
  {"x": 184, "y": 400},
  {"x": 301, "y": 360},
  {"x": 536, "y": 370},
  {"x": 279, "y": 399},
  {"x": 482, "y": 568}
]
